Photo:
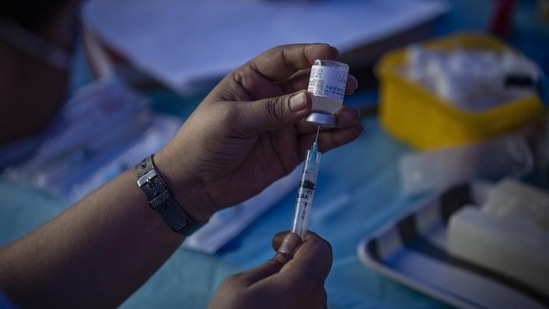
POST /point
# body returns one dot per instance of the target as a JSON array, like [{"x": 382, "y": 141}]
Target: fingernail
[
  {"x": 298, "y": 102},
  {"x": 289, "y": 243}
]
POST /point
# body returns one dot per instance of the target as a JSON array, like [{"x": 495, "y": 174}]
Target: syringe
[{"x": 306, "y": 190}]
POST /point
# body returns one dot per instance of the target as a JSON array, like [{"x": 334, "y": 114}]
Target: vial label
[{"x": 327, "y": 82}]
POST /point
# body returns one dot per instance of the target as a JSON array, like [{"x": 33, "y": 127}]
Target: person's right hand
[{"x": 292, "y": 279}]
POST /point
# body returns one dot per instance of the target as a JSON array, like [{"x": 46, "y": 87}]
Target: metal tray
[{"x": 412, "y": 250}]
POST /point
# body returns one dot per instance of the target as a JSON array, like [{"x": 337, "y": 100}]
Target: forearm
[{"x": 94, "y": 254}]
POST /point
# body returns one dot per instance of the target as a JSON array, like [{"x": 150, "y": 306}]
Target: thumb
[
  {"x": 284, "y": 254},
  {"x": 276, "y": 112}
]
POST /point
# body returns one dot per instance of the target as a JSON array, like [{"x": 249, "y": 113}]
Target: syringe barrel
[{"x": 305, "y": 192}]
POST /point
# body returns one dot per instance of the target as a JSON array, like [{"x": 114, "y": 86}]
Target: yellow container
[{"x": 424, "y": 121}]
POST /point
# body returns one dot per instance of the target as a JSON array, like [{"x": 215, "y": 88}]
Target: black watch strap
[{"x": 161, "y": 199}]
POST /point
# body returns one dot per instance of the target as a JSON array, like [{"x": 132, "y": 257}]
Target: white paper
[
  {"x": 183, "y": 42},
  {"x": 104, "y": 129},
  {"x": 228, "y": 223}
]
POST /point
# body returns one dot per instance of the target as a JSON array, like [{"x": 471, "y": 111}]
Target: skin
[
  {"x": 289, "y": 280},
  {"x": 248, "y": 132}
]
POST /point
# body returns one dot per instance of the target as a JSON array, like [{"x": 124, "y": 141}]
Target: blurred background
[{"x": 453, "y": 96}]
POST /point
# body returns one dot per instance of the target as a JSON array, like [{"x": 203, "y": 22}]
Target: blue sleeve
[{"x": 5, "y": 303}]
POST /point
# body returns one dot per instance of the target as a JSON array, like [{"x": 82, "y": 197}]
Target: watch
[{"x": 161, "y": 199}]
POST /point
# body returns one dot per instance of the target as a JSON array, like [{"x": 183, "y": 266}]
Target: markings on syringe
[
  {"x": 307, "y": 184},
  {"x": 308, "y": 189}
]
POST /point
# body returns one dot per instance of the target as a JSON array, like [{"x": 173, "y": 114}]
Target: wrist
[{"x": 188, "y": 191}]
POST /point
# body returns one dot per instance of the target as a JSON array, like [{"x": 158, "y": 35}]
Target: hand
[
  {"x": 289, "y": 280},
  {"x": 249, "y": 131}
]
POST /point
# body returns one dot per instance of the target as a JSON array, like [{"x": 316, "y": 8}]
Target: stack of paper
[{"x": 184, "y": 43}]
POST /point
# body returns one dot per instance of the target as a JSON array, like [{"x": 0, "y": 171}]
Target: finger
[
  {"x": 352, "y": 84},
  {"x": 277, "y": 239},
  {"x": 285, "y": 242},
  {"x": 300, "y": 81},
  {"x": 334, "y": 138},
  {"x": 288, "y": 244},
  {"x": 274, "y": 112},
  {"x": 347, "y": 116},
  {"x": 281, "y": 62},
  {"x": 312, "y": 260},
  {"x": 348, "y": 128}
]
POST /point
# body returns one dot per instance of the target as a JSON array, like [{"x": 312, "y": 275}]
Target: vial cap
[{"x": 322, "y": 119}]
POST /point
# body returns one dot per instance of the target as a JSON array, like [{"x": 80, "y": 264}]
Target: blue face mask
[
  {"x": 35, "y": 46},
  {"x": 55, "y": 56},
  {"x": 60, "y": 58}
]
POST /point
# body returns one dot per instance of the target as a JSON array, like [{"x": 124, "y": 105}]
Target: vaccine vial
[{"x": 327, "y": 85}]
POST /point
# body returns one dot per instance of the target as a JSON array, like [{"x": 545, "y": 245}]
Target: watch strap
[{"x": 161, "y": 199}]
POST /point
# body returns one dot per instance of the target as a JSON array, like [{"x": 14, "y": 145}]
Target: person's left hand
[
  {"x": 289, "y": 280},
  {"x": 250, "y": 130}
]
